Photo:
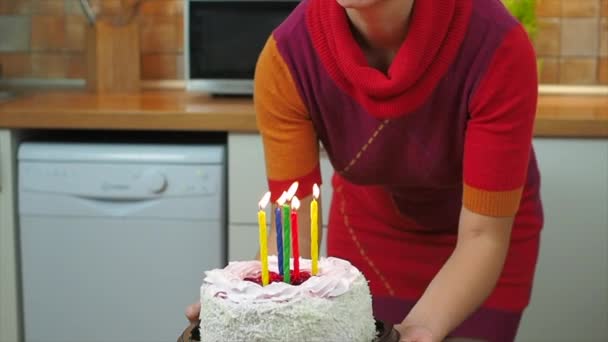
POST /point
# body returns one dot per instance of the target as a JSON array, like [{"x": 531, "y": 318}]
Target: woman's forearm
[{"x": 468, "y": 276}]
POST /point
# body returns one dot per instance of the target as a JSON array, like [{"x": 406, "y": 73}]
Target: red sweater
[{"x": 449, "y": 125}]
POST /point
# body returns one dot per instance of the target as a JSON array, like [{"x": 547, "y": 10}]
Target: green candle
[{"x": 286, "y": 243}]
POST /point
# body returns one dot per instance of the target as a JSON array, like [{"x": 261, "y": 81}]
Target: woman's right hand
[{"x": 193, "y": 312}]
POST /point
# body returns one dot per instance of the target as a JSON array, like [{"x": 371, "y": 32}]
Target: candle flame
[
  {"x": 315, "y": 191},
  {"x": 292, "y": 190},
  {"x": 295, "y": 203},
  {"x": 282, "y": 199},
  {"x": 264, "y": 201}
]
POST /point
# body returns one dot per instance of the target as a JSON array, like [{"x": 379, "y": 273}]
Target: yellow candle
[
  {"x": 314, "y": 230},
  {"x": 263, "y": 238}
]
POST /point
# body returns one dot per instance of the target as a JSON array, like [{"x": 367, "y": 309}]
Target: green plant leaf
[{"x": 525, "y": 12}]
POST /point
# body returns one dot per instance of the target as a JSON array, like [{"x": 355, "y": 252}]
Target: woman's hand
[
  {"x": 193, "y": 312},
  {"x": 414, "y": 333}
]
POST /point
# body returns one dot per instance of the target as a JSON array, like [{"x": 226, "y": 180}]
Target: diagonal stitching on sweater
[{"x": 365, "y": 146}]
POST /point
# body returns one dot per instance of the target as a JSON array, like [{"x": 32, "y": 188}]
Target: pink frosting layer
[{"x": 335, "y": 278}]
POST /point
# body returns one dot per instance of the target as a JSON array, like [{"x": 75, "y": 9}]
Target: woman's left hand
[{"x": 414, "y": 333}]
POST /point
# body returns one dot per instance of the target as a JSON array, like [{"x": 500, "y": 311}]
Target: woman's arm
[
  {"x": 497, "y": 150},
  {"x": 291, "y": 147},
  {"x": 467, "y": 278}
]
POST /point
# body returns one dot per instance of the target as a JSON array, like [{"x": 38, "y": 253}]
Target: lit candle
[
  {"x": 286, "y": 243},
  {"x": 263, "y": 239},
  {"x": 295, "y": 205},
  {"x": 279, "y": 229},
  {"x": 287, "y": 233},
  {"x": 314, "y": 230}
]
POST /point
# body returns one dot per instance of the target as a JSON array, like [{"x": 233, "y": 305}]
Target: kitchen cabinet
[
  {"x": 570, "y": 295},
  {"x": 9, "y": 318}
]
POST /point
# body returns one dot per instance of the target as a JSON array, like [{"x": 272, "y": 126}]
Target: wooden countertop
[{"x": 558, "y": 115}]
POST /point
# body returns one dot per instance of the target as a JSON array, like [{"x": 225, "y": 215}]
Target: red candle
[{"x": 295, "y": 204}]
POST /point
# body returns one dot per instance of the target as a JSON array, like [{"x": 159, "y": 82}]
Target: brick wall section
[
  {"x": 45, "y": 39},
  {"x": 572, "y": 41}
]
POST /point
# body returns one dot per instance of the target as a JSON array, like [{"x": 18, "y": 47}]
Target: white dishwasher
[{"x": 114, "y": 237}]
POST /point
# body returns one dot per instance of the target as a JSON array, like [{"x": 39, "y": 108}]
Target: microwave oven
[{"x": 223, "y": 40}]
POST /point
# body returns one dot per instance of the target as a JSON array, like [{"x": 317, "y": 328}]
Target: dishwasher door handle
[
  {"x": 116, "y": 206},
  {"x": 126, "y": 198}
]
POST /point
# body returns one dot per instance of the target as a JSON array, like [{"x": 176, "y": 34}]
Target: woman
[{"x": 426, "y": 111}]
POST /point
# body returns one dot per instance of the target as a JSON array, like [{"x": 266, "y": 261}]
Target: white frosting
[
  {"x": 335, "y": 277},
  {"x": 335, "y": 305}
]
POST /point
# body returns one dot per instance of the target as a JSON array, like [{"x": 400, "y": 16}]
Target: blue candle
[{"x": 279, "y": 229}]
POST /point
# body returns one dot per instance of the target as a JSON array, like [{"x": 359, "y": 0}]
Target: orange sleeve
[{"x": 291, "y": 147}]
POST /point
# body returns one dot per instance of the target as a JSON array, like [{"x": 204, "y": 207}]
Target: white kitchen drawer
[
  {"x": 243, "y": 242},
  {"x": 247, "y": 178}
]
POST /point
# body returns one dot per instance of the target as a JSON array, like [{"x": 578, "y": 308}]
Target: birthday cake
[{"x": 333, "y": 305}]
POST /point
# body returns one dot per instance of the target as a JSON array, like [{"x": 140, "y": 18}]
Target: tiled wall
[
  {"x": 572, "y": 41},
  {"x": 45, "y": 39}
]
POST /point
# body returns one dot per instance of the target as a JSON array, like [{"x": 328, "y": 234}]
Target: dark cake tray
[{"x": 385, "y": 333}]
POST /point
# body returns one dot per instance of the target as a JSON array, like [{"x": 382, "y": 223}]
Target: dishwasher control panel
[{"x": 122, "y": 180}]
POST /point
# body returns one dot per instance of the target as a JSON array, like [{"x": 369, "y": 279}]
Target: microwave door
[{"x": 224, "y": 40}]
